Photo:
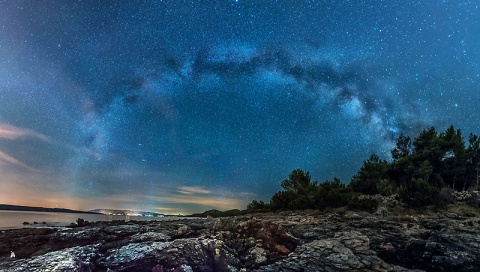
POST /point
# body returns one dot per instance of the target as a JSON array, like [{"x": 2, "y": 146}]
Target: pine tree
[{"x": 369, "y": 176}]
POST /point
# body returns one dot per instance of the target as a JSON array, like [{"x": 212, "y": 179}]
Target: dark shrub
[
  {"x": 445, "y": 197},
  {"x": 419, "y": 193},
  {"x": 363, "y": 203},
  {"x": 473, "y": 201}
]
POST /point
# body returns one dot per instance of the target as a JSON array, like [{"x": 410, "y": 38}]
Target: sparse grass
[
  {"x": 400, "y": 211},
  {"x": 463, "y": 209}
]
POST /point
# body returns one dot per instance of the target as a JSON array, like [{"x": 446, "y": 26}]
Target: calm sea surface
[{"x": 15, "y": 219}]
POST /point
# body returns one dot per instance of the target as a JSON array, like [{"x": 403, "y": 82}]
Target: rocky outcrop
[
  {"x": 69, "y": 259},
  {"x": 347, "y": 251},
  {"x": 264, "y": 242}
]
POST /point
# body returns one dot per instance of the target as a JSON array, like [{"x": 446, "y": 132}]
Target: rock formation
[{"x": 262, "y": 242}]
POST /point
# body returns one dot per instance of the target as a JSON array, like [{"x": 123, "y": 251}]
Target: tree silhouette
[
  {"x": 369, "y": 176},
  {"x": 297, "y": 182},
  {"x": 419, "y": 171},
  {"x": 403, "y": 147}
]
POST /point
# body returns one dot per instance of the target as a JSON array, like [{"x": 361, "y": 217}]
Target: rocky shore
[{"x": 330, "y": 241}]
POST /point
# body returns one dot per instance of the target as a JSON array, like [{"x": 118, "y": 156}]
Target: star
[{"x": 128, "y": 104}]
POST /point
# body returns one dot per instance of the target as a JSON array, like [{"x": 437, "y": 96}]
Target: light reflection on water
[{"x": 15, "y": 219}]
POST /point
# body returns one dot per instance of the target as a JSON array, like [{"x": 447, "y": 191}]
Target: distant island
[
  {"x": 40, "y": 209},
  {"x": 216, "y": 213},
  {"x": 8, "y": 207},
  {"x": 128, "y": 212}
]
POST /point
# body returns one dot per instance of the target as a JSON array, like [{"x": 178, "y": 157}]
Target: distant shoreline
[{"x": 7, "y": 207}]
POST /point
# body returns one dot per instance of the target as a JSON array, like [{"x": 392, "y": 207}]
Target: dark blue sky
[{"x": 182, "y": 106}]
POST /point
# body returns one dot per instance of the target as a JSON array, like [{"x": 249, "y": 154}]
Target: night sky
[{"x": 182, "y": 106}]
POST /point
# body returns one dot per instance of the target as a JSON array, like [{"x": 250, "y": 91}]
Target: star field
[{"x": 184, "y": 106}]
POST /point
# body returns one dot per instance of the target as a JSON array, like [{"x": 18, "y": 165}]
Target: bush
[
  {"x": 419, "y": 193},
  {"x": 473, "y": 201},
  {"x": 301, "y": 202},
  {"x": 335, "y": 198},
  {"x": 257, "y": 205},
  {"x": 445, "y": 197},
  {"x": 372, "y": 172},
  {"x": 386, "y": 188},
  {"x": 363, "y": 203},
  {"x": 332, "y": 194},
  {"x": 281, "y": 200}
]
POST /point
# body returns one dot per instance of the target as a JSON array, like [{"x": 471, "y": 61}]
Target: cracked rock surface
[{"x": 260, "y": 242}]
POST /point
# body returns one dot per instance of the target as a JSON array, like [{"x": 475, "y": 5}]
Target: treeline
[{"x": 424, "y": 171}]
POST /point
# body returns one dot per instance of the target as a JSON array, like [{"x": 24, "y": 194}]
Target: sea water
[{"x": 15, "y": 219}]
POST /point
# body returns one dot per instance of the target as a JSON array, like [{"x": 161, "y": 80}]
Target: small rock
[
  {"x": 260, "y": 255},
  {"x": 282, "y": 249},
  {"x": 183, "y": 230}
]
